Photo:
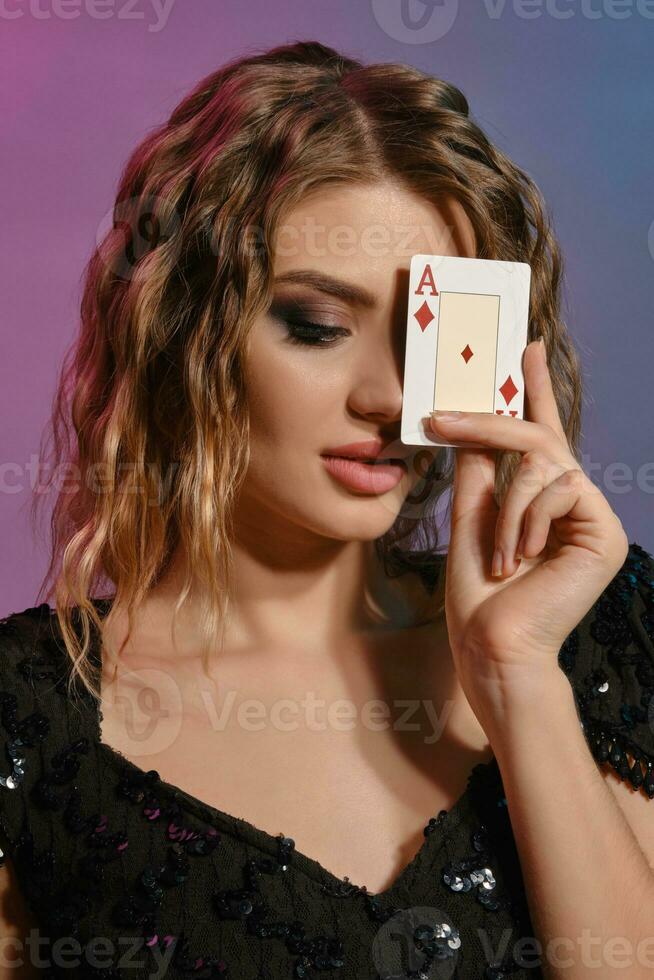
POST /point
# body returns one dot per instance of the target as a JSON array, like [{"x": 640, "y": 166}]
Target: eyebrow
[{"x": 355, "y": 295}]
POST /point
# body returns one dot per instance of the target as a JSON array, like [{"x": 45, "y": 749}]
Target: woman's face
[{"x": 325, "y": 363}]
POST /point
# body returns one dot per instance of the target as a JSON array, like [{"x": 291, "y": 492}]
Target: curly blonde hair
[{"x": 152, "y": 387}]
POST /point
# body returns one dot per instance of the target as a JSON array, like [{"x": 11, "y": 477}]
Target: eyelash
[{"x": 309, "y": 334}]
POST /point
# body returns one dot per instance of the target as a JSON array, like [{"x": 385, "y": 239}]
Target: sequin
[
  {"x": 13, "y": 779},
  {"x": 437, "y": 942},
  {"x": 23, "y": 734},
  {"x": 612, "y": 748},
  {"x": 434, "y": 822},
  {"x": 248, "y": 904},
  {"x": 622, "y": 621},
  {"x": 609, "y": 660},
  {"x": 469, "y": 874}
]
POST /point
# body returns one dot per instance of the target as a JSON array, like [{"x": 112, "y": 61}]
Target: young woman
[{"x": 297, "y": 737}]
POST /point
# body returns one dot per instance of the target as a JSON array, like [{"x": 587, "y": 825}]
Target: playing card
[{"x": 466, "y": 332}]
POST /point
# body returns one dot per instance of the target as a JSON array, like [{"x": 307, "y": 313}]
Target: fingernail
[
  {"x": 521, "y": 544},
  {"x": 446, "y": 416},
  {"x": 496, "y": 567}
]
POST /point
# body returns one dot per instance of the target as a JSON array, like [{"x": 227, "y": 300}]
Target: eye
[{"x": 313, "y": 334}]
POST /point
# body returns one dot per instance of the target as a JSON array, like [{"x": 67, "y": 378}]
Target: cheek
[{"x": 288, "y": 403}]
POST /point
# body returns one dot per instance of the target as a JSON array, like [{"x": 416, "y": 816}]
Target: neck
[{"x": 276, "y": 601}]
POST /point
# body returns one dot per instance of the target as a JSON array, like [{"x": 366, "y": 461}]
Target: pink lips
[
  {"x": 368, "y": 477},
  {"x": 346, "y": 464},
  {"x": 366, "y": 449}
]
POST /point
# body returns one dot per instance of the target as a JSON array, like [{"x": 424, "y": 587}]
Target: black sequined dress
[{"x": 128, "y": 876}]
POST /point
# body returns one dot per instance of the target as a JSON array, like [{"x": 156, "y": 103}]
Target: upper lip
[{"x": 370, "y": 449}]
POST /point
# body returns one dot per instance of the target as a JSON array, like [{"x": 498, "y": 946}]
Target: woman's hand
[{"x": 506, "y": 631}]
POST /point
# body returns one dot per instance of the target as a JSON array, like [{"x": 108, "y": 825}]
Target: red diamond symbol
[
  {"x": 424, "y": 316},
  {"x": 508, "y": 390},
  {"x": 466, "y": 353}
]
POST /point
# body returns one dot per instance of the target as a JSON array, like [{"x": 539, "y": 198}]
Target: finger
[
  {"x": 535, "y": 471},
  {"x": 473, "y": 485},
  {"x": 504, "y": 432},
  {"x": 472, "y": 523},
  {"x": 587, "y": 541},
  {"x": 572, "y": 496},
  {"x": 541, "y": 427},
  {"x": 541, "y": 403}
]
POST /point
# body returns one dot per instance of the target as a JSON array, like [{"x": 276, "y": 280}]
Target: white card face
[{"x": 466, "y": 333}]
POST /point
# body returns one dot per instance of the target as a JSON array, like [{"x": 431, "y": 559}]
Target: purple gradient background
[{"x": 565, "y": 90}]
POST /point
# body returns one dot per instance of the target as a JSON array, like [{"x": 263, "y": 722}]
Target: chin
[
  {"x": 320, "y": 504},
  {"x": 357, "y": 517}
]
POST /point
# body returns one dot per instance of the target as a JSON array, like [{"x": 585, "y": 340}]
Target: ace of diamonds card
[{"x": 466, "y": 332}]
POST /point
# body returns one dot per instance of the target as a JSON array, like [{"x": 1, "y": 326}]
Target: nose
[{"x": 376, "y": 389}]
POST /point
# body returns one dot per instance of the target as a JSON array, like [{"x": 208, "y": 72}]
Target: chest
[{"x": 351, "y": 775}]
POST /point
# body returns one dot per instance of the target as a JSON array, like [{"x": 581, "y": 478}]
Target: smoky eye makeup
[{"x": 307, "y": 324}]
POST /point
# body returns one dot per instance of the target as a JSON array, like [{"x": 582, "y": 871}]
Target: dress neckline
[{"x": 439, "y": 824}]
